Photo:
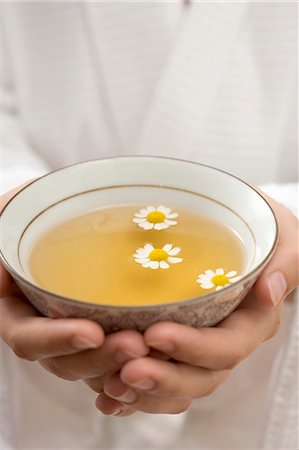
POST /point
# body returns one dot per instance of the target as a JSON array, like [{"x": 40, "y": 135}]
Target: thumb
[{"x": 281, "y": 275}]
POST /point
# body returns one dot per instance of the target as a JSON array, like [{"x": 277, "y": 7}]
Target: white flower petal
[
  {"x": 139, "y": 220},
  {"x": 231, "y": 274},
  {"x": 203, "y": 277},
  {"x": 219, "y": 271},
  {"x": 218, "y": 288},
  {"x": 174, "y": 260},
  {"x": 163, "y": 209},
  {"x": 147, "y": 264},
  {"x": 141, "y": 251},
  {"x": 233, "y": 280},
  {"x": 164, "y": 265},
  {"x": 174, "y": 251},
  {"x": 138, "y": 255},
  {"x": 206, "y": 285},
  {"x": 140, "y": 215},
  {"x": 170, "y": 222},
  {"x": 171, "y": 216},
  {"x": 154, "y": 264},
  {"x": 160, "y": 226},
  {"x": 148, "y": 247},
  {"x": 150, "y": 209},
  {"x": 146, "y": 225},
  {"x": 142, "y": 260},
  {"x": 167, "y": 247},
  {"x": 144, "y": 211},
  {"x": 210, "y": 273}
]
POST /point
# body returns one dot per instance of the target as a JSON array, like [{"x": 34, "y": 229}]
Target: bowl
[{"x": 79, "y": 188}]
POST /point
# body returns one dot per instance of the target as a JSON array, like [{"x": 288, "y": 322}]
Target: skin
[{"x": 169, "y": 366}]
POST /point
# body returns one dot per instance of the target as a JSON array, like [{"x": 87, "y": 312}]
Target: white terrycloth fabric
[{"x": 210, "y": 82}]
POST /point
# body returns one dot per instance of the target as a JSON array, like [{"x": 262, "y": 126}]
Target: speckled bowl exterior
[
  {"x": 200, "y": 312},
  {"x": 69, "y": 183}
]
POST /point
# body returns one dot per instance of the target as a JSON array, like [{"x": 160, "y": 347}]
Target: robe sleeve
[{"x": 20, "y": 161}]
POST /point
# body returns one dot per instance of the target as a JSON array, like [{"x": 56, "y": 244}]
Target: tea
[{"x": 137, "y": 255}]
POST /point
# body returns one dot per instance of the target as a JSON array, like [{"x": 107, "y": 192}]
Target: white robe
[{"x": 210, "y": 82}]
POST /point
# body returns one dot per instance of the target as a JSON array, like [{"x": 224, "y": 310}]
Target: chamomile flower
[
  {"x": 151, "y": 218},
  {"x": 155, "y": 258},
  {"x": 218, "y": 279}
]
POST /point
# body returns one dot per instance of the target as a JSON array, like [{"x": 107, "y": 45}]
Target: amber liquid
[{"x": 90, "y": 257}]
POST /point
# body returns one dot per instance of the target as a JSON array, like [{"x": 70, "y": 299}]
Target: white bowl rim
[{"x": 180, "y": 303}]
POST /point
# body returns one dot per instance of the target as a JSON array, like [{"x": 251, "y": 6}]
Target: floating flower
[
  {"x": 210, "y": 279},
  {"x": 150, "y": 218},
  {"x": 155, "y": 258}
]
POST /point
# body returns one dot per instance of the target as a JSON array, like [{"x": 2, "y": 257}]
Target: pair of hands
[{"x": 170, "y": 365}]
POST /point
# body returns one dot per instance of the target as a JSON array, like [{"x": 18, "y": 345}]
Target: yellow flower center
[
  {"x": 158, "y": 254},
  {"x": 220, "y": 280},
  {"x": 156, "y": 217}
]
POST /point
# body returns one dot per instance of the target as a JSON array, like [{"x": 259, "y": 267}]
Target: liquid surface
[{"x": 91, "y": 257}]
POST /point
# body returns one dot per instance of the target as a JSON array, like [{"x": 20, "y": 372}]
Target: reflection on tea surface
[{"x": 137, "y": 255}]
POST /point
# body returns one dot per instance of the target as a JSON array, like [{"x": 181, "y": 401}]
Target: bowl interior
[{"x": 141, "y": 180}]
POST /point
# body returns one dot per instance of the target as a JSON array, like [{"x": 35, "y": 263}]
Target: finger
[
  {"x": 32, "y": 337},
  {"x": 8, "y": 288},
  {"x": 111, "y": 407},
  {"x": 170, "y": 379},
  {"x": 5, "y": 282},
  {"x": 221, "y": 347},
  {"x": 97, "y": 383},
  {"x": 117, "y": 349},
  {"x": 139, "y": 400},
  {"x": 281, "y": 276}
]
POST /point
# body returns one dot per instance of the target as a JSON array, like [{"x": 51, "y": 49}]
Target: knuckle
[
  {"x": 230, "y": 365},
  {"x": 52, "y": 366},
  {"x": 274, "y": 329},
  {"x": 217, "y": 378},
  {"x": 18, "y": 348},
  {"x": 210, "y": 390},
  {"x": 96, "y": 384},
  {"x": 234, "y": 360},
  {"x": 180, "y": 409}
]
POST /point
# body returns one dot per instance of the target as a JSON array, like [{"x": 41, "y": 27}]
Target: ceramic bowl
[{"x": 138, "y": 179}]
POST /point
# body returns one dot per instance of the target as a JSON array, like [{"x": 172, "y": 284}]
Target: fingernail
[
  {"x": 128, "y": 397},
  {"x": 117, "y": 412},
  {"x": 167, "y": 347},
  {"x": 121, "y": 356},
  {"x": 82, "y": 343},
  {"x": 277, "y": 286},
  {"x": 145, "y": 384}
]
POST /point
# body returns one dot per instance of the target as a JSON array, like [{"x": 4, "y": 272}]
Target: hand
[
  {"x": 72, "y": 349},
  {"x": 281, "y": 276},
  {"x": 205, "y": 357}
]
